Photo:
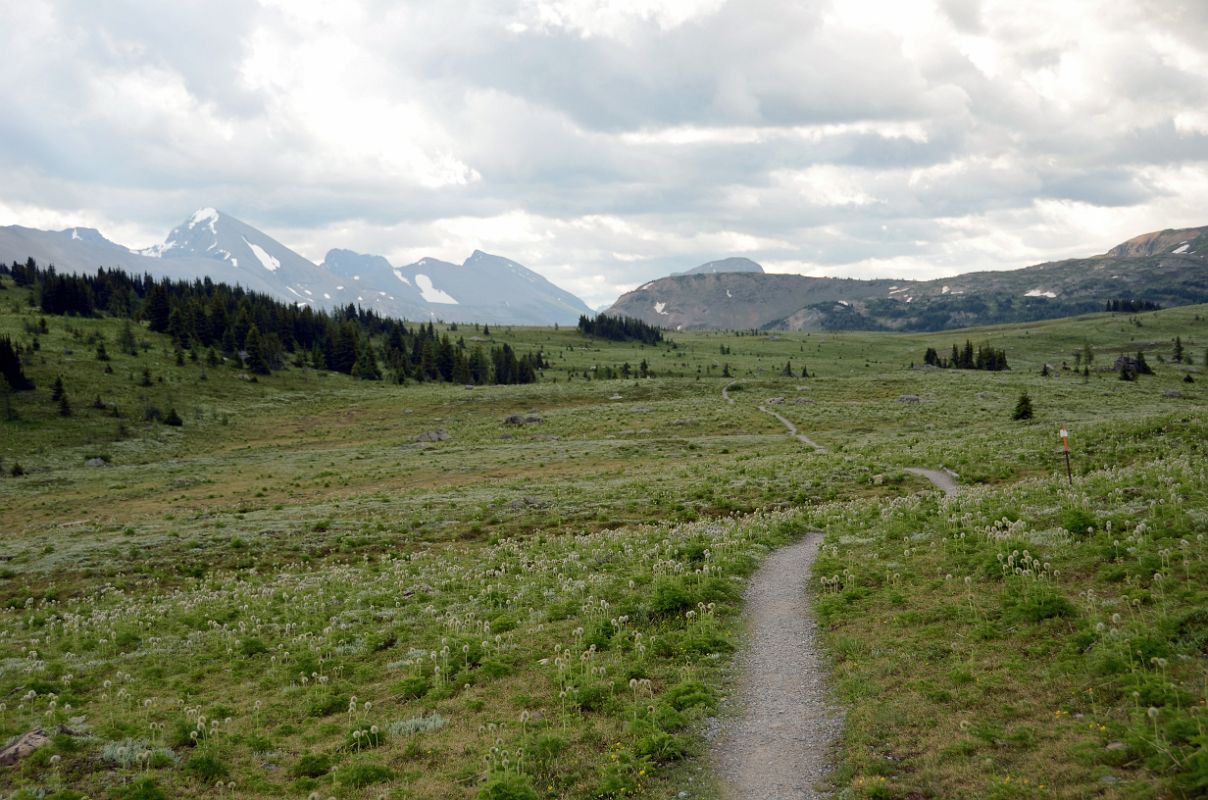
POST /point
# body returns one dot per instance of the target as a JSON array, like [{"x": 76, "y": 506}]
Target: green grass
[{"x": 563, "y": 595}]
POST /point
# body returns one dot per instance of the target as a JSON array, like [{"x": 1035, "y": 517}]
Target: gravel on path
[
  {"x": 792, "y": 429},
  {"x": 943, "y": 479},
  {"x": 777, "y": 746}
]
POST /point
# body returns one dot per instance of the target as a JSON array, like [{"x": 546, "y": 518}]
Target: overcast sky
[{"x": 607, "y": 142}]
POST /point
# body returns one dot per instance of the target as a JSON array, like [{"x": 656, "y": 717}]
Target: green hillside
[{"x": 356, "y": 588}]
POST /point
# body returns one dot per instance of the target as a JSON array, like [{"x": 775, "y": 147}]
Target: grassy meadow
[{"x": 296, "y": 593}]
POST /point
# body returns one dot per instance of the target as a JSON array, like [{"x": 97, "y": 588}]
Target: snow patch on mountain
[
  {"x": 1181, "y": 248},
  {"x": 431, "y": 293},
  {"x": 203, "y": 216},
  {"x": 269, "y": 263},
  {"x": 1039, "y": 293}
]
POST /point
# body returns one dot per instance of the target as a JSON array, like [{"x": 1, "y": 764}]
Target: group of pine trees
[
  {"x": 261, "y": 333},
  {"x": 985, "y": 357},
  {"x": 1132, "y": 306},
  {"x": 620, "y": 329}
]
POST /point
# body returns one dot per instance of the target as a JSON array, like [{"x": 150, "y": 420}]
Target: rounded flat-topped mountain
[{"x": 1168, "y": 268}]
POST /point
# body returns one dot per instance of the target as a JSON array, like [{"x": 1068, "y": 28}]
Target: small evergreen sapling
[{"x": 1023, "y": 408}]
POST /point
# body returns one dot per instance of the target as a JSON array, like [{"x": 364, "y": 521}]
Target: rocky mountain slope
[
  {"x": 1169, "y": 268},
  {"x": 214, "y": 245}
]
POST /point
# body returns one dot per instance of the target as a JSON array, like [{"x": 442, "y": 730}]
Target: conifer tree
[
  {"x": 10, "y": 367},
  {"x": 255, "y": 360},
  {"x": 1023, "y": 408}
]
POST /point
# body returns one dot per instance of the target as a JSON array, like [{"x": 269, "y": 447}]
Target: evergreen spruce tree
[
  {"x": 10, "y": 367},
  {"x": 366, "y": 366},
  {"x": 64, "y": 405},
  {"x": 1142, "y": 367},
  {"x": 1178, "y": 350},
  {"x": 125, "y": 339},
  {"x": 56, "y": 389},
  {"x": 255, "y": 360},
  {"x": 1023, "y": 408},
  {"x": 157, "y": 309}
]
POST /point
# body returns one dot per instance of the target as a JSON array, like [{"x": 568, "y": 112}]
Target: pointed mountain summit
[
  {"x": 491, "y": 288},
  {"x": 212, "y": 244},
  {"x": 484, "y": 288}
]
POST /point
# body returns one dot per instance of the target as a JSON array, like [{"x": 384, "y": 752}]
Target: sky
[{"x": 604, "y": 143}]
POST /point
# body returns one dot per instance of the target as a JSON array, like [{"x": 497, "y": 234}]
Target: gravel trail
[
  {"x": 777, "y": 745},
  {"x": 801, "y": 437},
  {"x": 943, "y": 479}
]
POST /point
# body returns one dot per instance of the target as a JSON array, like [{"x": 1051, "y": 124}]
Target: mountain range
[
  {"x": 214, "y": 245},
  {"x": 1167, "y": 267}
]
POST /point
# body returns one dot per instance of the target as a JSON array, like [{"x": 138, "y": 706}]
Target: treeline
[
  {"x": 985, "y": 357},
  {"x": 262, "y": 333},
  {"x": 1132, "y": 306},
  {"x": 620, "y": 329}
]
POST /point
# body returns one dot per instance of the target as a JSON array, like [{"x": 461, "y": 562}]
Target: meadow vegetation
[{"x": 296, "y": 592}]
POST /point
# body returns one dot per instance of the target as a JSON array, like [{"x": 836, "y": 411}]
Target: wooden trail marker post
[{"x": 1065, "y": 446}]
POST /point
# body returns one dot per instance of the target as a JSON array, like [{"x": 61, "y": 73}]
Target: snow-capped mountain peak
[
  {"x": 203, "y": 216},
  {"x": 214, "y": 245}
]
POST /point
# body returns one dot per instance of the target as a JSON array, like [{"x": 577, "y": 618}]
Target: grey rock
[{"x": 523, "y": 419}]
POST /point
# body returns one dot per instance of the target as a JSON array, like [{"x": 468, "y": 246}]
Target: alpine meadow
[
  {"x": 604, "y": 400},
  {"x": 309, "y": 584}
]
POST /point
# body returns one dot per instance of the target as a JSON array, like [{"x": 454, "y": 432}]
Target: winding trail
[
  {"x": 792, "y": 429},
  {"x": 801, "y": 437},
  {"x": 944, "y": 480},
  {"x": 777, "y": 747},
  {"x": 777, "y": 744}
]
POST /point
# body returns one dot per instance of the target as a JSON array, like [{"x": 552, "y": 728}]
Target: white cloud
[{"x": 607, "y": 142}]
